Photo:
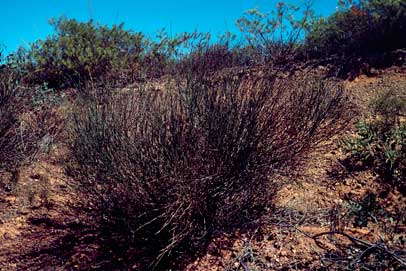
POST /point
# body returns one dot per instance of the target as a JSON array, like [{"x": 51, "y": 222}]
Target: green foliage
[
  {"x": 79, "y": 51},
  {"x": 16, "y": 64},
  {"x": 43, "y": 95},
  {"x": 276, "y": 36},
  {"x": 363, "y": 210},
  {"x": 361, "y": 28},
  {"x": 381, "y": 142}
]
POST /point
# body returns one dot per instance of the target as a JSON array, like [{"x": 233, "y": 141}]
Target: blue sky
[{"x": 25, "y": 21}]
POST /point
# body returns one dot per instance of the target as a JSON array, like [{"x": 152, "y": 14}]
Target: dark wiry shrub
[
  {"x": 208, "y": 59},
  {"x": 9, "y": 142},
  {"x": 22, "y": 123},
  {"x": 172, "y": 168}
]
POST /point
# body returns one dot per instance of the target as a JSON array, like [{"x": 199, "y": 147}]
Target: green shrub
[
  {"x": 173, "y": 168},
  {"x": 365, "y": 28},
  {"x": 277, "y": 37},
  {"x": 381, "y": 142},
  {"x": 78, "y": 51}
]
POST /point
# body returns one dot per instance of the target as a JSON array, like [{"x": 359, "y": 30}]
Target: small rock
[
  {"x": 283, "y": 253},
  {"x": 23, "y": 212},
  {"x": 35, "y": 176}
]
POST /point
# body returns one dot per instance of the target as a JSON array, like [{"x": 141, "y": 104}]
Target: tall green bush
[
  {"x": 359, "y": 28},
  {"x": 78, "y": 51}
]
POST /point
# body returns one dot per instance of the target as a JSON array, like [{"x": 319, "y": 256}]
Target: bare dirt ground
[{"x": 40, "y": 228}]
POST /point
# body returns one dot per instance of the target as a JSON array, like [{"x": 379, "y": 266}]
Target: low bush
[
  {"x": 9, "y": 142},
  {"x": 196, "y": 53},
  {"x": 173, "y": 168},
  {"x": 208, "y": 59},
  {"x": 380, "y": 142},
  {"x": 23, "y": 123}
]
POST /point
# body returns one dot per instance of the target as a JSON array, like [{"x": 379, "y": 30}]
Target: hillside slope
[{"x": 42, "y": 226}]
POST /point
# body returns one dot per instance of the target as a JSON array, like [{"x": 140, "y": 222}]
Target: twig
[
  {"x": 369, "y": 246},
  {"x": 351, "y": 238},
  {"x": 364, "y": 254}
]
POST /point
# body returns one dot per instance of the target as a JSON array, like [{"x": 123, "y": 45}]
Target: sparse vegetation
[{"x": 381, "y": 141}]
